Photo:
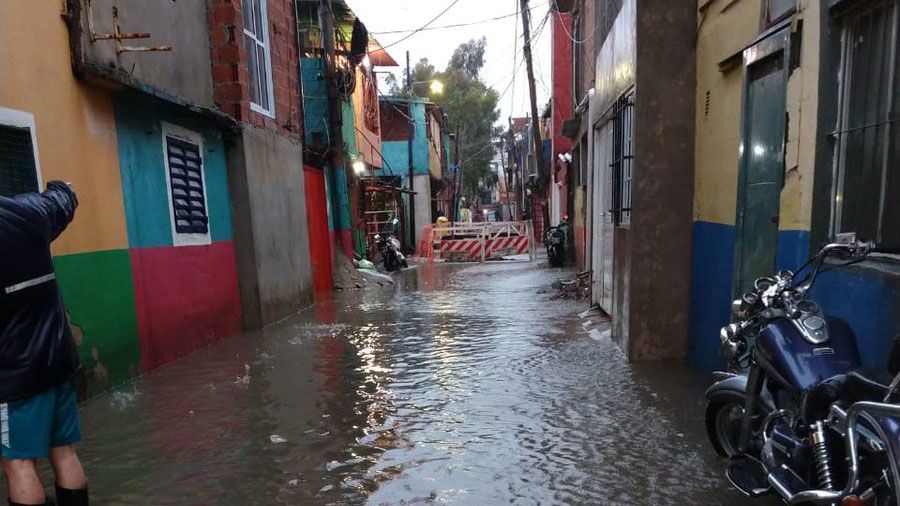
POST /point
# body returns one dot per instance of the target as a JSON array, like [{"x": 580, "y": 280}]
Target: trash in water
[
  {"x": 334, "y": 465},
  {"x": 365, "y": 264},
  {"x": 275, "y": 438}
]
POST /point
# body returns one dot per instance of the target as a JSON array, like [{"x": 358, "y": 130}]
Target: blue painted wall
[
  {"x": 396, "y": 158},
  {"x": 139, "y": 127},
  {"x": 315, "y": 98},
  {"x": 711, "y": 282},
  {"x": 868, "y": 298},
  {"x": 396, "y": 153}
]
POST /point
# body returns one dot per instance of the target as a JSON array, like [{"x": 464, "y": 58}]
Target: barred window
[
  {"x": 187, "y": 191},
  {"x": 259, "y": 60},
  {"x": 867, "y": 147},
  {"x": 623, "y": 159},
  {"x": 19, "y": 171}
]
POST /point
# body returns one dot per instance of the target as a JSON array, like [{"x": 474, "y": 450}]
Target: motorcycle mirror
[{"x": 737, "y": 307}]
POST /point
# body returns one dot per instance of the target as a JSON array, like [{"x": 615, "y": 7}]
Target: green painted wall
[
  {"x": 99, "y": 294},
  {"x": 349, "y": 129}
]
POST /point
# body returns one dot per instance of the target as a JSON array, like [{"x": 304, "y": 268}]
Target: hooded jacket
[{"x": 37, "y": 350}]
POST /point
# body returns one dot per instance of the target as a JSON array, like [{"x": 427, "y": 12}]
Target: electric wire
[
  {"x": 459, "y": 25},
  {"x": 423, "y": 27},
  {"x": 571, "y": 36}
]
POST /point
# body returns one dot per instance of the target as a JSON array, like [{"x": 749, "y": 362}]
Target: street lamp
[
  {"x": 437, "y": 87},
  {"x": 359, "y": 167}
]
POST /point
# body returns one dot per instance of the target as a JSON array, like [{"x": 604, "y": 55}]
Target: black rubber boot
[{"x": 69, "y": 497}]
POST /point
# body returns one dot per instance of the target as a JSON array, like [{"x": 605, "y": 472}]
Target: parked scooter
[
  {"x": 802, "y": 420},
  {"x": 555, "y": 242},
  {"x": 389, "y": 250}
]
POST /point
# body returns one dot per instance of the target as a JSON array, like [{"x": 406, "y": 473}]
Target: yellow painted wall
[
  {"x": 724, "y": 28},
  {"x": 800, "y": 151},
  {"x": 75, "y": 123}
]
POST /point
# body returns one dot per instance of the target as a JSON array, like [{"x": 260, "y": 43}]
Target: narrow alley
[{"x": 462, "y": 386}]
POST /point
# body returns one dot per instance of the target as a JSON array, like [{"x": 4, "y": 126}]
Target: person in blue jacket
[{"x": 38, "y": 355}]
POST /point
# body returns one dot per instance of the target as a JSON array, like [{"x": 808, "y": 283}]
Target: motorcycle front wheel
[{"x": 723, "y": 423}]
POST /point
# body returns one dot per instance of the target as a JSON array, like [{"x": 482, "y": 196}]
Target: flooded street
[{"x": 464, "y": 385}]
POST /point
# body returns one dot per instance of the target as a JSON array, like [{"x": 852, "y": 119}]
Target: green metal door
[{"x": 762, "y": 160}]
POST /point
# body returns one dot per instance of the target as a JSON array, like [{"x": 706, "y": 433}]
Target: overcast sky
[{"x": 437, "y": 45}]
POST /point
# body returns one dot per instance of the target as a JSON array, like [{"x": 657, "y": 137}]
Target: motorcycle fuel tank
[{"x": 789, "y": 357}]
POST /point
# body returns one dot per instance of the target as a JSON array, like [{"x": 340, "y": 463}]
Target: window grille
[
  {"x": 867, "y": 147},
  {"x": 187, "y": 187},
  {"x": 259, "y": 63},
  {"x": 18, "y": 168},
  {"x": 623, "y": 159}
]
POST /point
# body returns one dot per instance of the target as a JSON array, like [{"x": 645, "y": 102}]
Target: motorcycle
[
  {"x": 389, "y": 250},
  {"x": 801, "y": 419},
  {"x": 556, "y": 245}
]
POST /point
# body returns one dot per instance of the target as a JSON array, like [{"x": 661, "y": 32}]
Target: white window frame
[
  {"x": 263, "y": 7},
  {"x": 183, "y": 134},
  {"x": 24, "y": 119}
]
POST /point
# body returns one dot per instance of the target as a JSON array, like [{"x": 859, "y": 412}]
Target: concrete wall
[
  {"x": 183, "y": 72},
  {"x": 615, "y": 64},
  {"x": 422, "y": 185},
  {"x": 663, "y": 179},
  {"x": 271, "y": 227}
]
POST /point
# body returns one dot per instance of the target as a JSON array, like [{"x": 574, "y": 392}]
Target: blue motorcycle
[{"x": 800, "y": 418}]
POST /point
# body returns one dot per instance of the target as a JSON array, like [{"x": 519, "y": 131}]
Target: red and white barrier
[{"x": 477, "y": 242}]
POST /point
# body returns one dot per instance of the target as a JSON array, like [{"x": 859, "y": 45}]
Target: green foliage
[{"x": 470, "y": 106}]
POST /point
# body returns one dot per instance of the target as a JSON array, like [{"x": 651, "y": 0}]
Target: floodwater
[{"x": 463, "y": 385}]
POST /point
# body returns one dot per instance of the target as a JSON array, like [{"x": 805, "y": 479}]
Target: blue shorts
[{"x": 30, "y": 427}]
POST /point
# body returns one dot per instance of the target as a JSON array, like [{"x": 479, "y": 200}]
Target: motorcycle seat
[{"x": 865, "y": 384}]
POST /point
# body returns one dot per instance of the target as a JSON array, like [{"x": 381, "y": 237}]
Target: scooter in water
[
  {"x": 555, "y": 243},
  {"x": 802, "y": 420},
  {"x": 389, "y": 250}
]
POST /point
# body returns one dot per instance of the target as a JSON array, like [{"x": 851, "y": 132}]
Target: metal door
[
  {"x": 602, "y": 220},
  {"x": 762, "y": 159}
]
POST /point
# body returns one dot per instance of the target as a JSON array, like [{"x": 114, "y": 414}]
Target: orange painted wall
[{"x": 76, "y": 130}]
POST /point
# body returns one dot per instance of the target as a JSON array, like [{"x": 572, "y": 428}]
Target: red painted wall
[
  {"x": 319, "y": 238},
  {"x": 562, "y": 104},
  {"x": 186, "y": 298}
]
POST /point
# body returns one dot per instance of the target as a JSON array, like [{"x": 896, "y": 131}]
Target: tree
[
  {"x": 468, "y": 103},
  {"x": 472, "y": 107},
  {"x": 469, "y": 57}
]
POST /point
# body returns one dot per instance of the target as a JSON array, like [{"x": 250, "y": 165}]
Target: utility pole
[
  {"x": 335, "y": 120},
  {"x": 457, "y": 178},
  {"x": 535, "y": 120},
  {"x": 410, "y": 133}
]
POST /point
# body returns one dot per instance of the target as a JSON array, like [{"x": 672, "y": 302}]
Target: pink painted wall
[{"x": 186, "y": 298}]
